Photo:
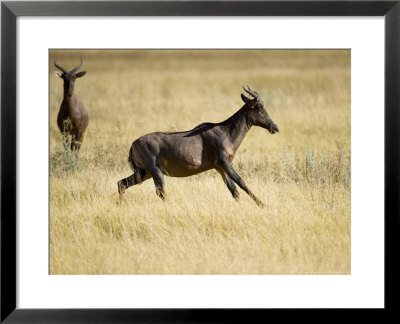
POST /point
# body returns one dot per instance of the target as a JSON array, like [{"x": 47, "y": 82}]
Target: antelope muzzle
[{"x": 273, "y": 128}]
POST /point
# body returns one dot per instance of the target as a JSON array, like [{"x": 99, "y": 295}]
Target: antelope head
[
  {"x": 69, "y": 77},
  {"x": 257, "y": 114}
]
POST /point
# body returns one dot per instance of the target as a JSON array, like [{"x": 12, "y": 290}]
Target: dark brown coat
[
  {"x": 207, "y": 146},
  {"x": 72, "y": 118}
]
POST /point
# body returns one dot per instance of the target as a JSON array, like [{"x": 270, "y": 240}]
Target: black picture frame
[{"x": 10, "y": 10}]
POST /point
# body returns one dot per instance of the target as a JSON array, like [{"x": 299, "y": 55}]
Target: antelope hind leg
[
  {"x": 159, "y": 182},
  {"x": 137, "y": 178}
]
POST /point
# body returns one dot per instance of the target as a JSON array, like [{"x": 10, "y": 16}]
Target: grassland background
[{"x": 302, "y": 173}]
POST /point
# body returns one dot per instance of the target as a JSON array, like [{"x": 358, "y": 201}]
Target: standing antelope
[
  {"x": 72, "y": 118},
  {"x": 207, "y": 146}
]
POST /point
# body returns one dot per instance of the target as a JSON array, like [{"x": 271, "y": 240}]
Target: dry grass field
[{"x": 302, "y": 173}]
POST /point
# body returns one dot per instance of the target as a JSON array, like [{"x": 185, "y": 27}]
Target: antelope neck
[
  {"x": 70, "y": 98},
  {"x": 237, "y": 127}
]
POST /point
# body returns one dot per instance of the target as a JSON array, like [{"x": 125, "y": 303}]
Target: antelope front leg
[
  {"x": 77, "y": 141},
  {"x": 229, "y": 183},
  {"x": 226, "y": 166}
]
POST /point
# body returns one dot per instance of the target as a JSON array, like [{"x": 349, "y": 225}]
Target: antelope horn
[
  {"x": 59, "y": 67},
  {"x": 77, "y": 68},
  {"x": 250, "y": 92}
]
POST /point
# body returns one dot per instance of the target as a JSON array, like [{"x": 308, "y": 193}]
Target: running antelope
[
  {"x": 72, "y": 118},
  {"x": 207, "y": 146}
]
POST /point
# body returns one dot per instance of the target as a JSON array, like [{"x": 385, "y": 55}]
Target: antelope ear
[
  {"x": 80, "y": 74},
  {"x": 248, "y": 101},
  {"x": 58, "y": 74}
]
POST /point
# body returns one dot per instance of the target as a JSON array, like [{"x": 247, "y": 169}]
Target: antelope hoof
[
  {"x": 236, "y": 195},
  {"x": 121, "y": 188},
  {"x": 260, "y": 203},
  {"x": 161, "y": 194}
]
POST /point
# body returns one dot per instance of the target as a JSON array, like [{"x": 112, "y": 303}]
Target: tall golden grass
[{"x": 302, "y": 173}]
